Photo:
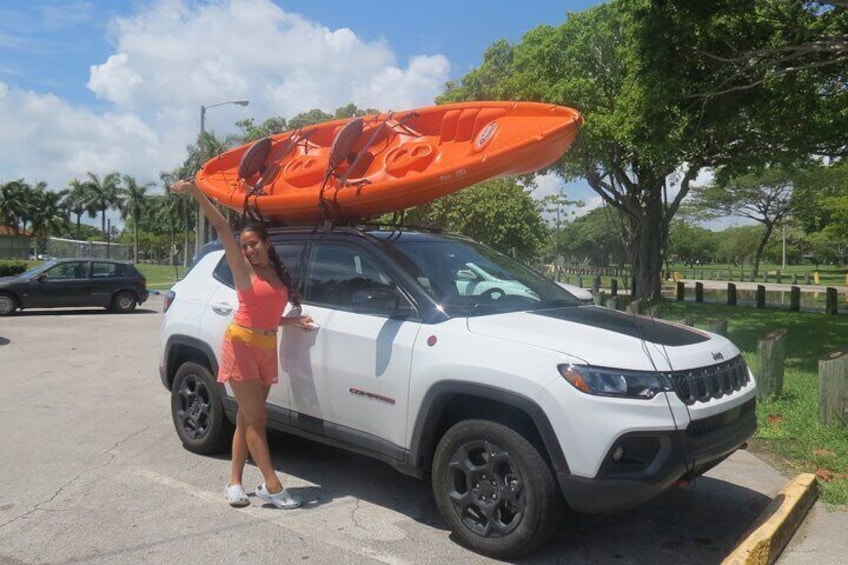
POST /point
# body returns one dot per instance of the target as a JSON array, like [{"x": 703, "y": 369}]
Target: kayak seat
[
  {"x": 407, "y": 158},
  {"x": 303, "y": 171}
]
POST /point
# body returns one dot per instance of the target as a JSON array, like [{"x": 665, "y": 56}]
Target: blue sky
[{"x": 102, "y": 85}]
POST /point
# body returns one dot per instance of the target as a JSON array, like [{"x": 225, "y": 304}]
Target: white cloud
[
  {"x": 47, "y": 139},
  {"x": 171, "y": 57}
]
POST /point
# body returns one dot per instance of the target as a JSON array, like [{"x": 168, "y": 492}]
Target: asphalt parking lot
[{"x": 92, "y": 472}]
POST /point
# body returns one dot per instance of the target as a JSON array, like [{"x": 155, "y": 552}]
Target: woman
[{"x": 249, "y": 352}]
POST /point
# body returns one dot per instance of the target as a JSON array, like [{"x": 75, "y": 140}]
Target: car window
[
  {"x": 102, "y": 269},
  {"x": 290, "y": 253},
  {"x": 467, "y": 278},
  {"x": 337, "y": 273},
  {"x": 69, "y": 270}
]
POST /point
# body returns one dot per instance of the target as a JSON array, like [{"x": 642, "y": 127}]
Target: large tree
[
  {"x": 638, "y": 71},
  {"x": 764, "y": 197},
  {"x": 625, "y": 153}
]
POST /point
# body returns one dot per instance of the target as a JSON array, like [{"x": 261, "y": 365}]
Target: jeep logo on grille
[{"x": 717, "y": 356}]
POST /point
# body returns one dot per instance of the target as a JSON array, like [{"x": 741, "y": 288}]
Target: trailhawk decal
[{"x": 372, "y": 395}]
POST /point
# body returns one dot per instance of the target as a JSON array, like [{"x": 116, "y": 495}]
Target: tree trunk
[
  {"x": 647, "y": 253},
  {"x": 767, "y": 229}
]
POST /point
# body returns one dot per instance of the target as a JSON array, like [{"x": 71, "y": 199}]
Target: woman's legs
[
  {"x": 240, "y": 450},
  {"x": 250, "y": 432}
]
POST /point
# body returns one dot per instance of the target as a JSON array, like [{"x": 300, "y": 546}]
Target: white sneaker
[
  {"x": 236, "y": 495},
  {"x": 280, "y": 499}
]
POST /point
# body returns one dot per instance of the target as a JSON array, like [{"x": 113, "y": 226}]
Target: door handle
[{"x": 222, "y": 308}]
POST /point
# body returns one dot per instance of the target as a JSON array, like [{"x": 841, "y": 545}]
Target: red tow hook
[{"x": 683, "y": 483}]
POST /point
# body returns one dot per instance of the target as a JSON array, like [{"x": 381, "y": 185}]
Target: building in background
[{"x": 15, "y": 243}]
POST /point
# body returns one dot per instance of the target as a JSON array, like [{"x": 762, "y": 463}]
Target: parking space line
[{"x": 285, "y": 519}]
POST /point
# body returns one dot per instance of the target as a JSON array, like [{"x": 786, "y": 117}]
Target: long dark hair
[{"x": 262, "y": 232}]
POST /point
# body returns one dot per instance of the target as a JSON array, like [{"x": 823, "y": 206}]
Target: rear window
[{"x": 101, "y": 269}]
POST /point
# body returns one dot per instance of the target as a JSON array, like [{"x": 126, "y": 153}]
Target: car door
[
  {"x": 353, "y": 371},
  {"x": 65, "y": 284},
  {"x": 106, "y": 278}
]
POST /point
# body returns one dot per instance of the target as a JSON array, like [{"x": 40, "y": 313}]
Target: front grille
[
  {"x": 705, "y": 426},
  {"x": 705, "y": 383}
]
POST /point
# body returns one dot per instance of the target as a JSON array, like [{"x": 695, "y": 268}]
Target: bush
[{"x": 10, "y": 268}]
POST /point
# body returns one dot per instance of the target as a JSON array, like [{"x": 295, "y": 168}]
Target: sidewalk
[{"x": 821, "y": 537}]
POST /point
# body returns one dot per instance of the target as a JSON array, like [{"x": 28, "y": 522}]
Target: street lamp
[{"x": 201, "y": 151}]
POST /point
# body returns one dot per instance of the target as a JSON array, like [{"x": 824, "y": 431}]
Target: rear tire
[
  {"x": 198, "y": 411},
  {"x": 124, "y": 302},
  {"x": 495, "y": 490}
]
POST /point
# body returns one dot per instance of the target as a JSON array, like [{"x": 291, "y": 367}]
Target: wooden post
[
  {"x": 699, "y": 292},
  {"x": 772, "y": 354},
  {"x": 831, "y": 300},
  {"x": 614, "y": 287},
  {"x": 833, "y": 388},
  {"x": 795, "y": 299},
  {"x": 719, "y": 327},
  {"x": 681, "y": 291},
  {"x": 596, "y": 284},
  {"x": 761, "y": 296},
  {"x": 731, "y": 294}
]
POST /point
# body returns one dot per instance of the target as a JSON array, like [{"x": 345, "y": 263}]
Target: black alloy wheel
[
  {"x": 495, "y": 489},
  {"x": 197, "y": 410}
]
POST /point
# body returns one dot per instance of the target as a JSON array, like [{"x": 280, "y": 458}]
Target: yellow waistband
[{"x": 251, "y": 337}]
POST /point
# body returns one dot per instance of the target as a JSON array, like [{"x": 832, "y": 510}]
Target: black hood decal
[{"x": 641, "y": 327}]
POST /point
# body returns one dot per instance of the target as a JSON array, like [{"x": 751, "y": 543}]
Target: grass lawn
[
  {"x": 160, "y": 277},
  {"x": 789, "y": 434}
]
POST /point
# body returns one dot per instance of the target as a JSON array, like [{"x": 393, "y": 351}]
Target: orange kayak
[{"x": 357, "y": 168}]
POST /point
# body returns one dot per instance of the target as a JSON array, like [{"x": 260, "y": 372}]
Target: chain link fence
[{"x": 72, "y": 248}]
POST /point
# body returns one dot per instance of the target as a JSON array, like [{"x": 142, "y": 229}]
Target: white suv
[{"x": 449, "y": 360}]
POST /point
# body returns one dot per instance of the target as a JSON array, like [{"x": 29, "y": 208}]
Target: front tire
[
  {"x": 8, "y": 304},
  {"x": 197, "y": 410},
  {"x": 495, "y": 489}
]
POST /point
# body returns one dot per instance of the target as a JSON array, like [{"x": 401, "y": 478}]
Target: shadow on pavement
[{"x": 697, "y": 524}]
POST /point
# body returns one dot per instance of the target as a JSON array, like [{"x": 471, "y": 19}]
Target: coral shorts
[{"x": 248, "y": 355}]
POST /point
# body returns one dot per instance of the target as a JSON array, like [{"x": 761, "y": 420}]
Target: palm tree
[
  {"x": 179, "y": 211},
  {"x": 50, "y": 215},
  {"x": 133, "y": 205},
  {"x": 78, "y": 201},
  {"x": 105, "y": 194},
  {"x": 12, "y": 203}
]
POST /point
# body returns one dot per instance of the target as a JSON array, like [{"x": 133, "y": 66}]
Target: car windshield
[
  {"x": 38, "y": 269},
  {"x": 469, "y": 279}
]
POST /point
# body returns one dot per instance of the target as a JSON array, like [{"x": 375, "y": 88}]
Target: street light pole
[{"x": 200, "y": 239}]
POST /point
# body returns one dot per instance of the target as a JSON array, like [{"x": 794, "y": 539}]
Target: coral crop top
[{"x": 261, "y": 305}]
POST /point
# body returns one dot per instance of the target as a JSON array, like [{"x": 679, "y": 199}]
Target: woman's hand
[
  {"x": 183, "y": 187},
  {"x": 303, "y": 322}
]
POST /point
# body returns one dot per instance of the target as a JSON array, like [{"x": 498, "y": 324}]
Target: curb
[{"x": 776, "y": 524}]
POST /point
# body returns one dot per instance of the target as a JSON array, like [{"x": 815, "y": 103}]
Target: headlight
[{"x": 615, "y": 382}]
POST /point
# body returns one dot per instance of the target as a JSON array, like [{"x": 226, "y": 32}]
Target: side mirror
[{"x": 382, "y": 301}]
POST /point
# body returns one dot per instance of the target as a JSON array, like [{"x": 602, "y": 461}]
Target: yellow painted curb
[{"x": 777, "y": 522}]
